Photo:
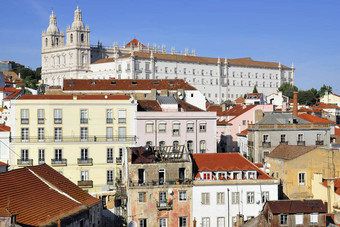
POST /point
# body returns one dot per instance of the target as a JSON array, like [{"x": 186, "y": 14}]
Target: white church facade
[{"x": 217, "y": 79}]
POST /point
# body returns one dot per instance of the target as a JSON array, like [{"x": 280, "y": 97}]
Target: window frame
[
  {"x": 181, "y": 198},
  {"x": 203, "y": 126},
  {"x": 24, "y": 116},
  {"x": 147, "y": 127},
  {"x": 302, "y": 182},
  {"x": 220, "y": 198},
  {"x": 161, "y": 129},
  {"x": 58, "y": 116},
  {"x": 251, "y": 197},
  {"x": 205, "y": 198},
  {"x": 285, "y": 220}
]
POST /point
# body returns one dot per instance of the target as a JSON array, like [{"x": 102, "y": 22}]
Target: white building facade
[
  {"x": 218, "y": 79},
  {"x": 227, "y": 187}
]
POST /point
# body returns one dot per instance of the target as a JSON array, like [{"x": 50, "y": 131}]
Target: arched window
[
  {"x": 71, "y": 38},
  {"x": 57, "y": 41},
  {"x": 203, "y": 146},
  {"x": 190, "y": 146},
  {"x": 46, "y": 42},
  {"x": 82, "y": 38}
]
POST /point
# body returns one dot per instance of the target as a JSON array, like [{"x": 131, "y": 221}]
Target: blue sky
[{"x": 304, "y": 32}]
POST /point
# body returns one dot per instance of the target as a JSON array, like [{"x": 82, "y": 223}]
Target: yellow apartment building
[
  {"x": 81, "y": 136},
  {"x": 295, "y": 166}
]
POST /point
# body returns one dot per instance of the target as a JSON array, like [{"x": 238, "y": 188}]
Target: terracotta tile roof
[
  {"x": 4, "y": 212},
  {"x": 183, "y": 58},
  {"x": 237, "y": 110},
  {"x": 321, "y": 105},
  {"x": 226, "y": 162},
  {"x": 297, "y": 206},
  {"x": 4, "y": 128},
  {"x": 239, "y": 100},
  {"x": 244, "y": 132},
  {"x": 148, "y": 105},
  {"x": 222, "y": 122},
  {"x": 8, "y": 89},
  {"x": 215, "y": 108},
  {"x": 304, "y": 109},
  {"x": 15, "y": 94},
  {"x": 153, "y": 105},
  {"x": 39, "y": 194},
  {"x": 337, "y": 130},
  {"x": 336, "y": 185},
  {"x": 125, "y": 85},
  {"x": 290, "y": 152},
  {"x": 260, "y": 165},
  {"x": 314, "y": 119},
  {"x": 3, "y": 164},
  {"x": 104, "y": 60},
  {"x": 135, "y": 42},
  {"x": 79, "y": 97}
]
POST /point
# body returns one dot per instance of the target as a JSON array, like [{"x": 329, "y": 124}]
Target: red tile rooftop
[
  {"x": 4, "y": 128},
  {"x": 226, "y": 162},
  {"x": 314, "y": 119},
  {"x": 40, "y": 195},
  {"x": 3, "y": 164}
]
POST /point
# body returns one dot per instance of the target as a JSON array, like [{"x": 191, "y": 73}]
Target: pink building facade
[{"x": 176, "y": 124}]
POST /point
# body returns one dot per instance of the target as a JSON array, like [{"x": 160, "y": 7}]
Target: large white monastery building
[{"x": 217, "y": 79}]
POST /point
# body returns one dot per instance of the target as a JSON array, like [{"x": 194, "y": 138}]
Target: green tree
[
  {"x": 288, "y": 89},
  {"x": 323, "y": 90},
  {"x": 308, "y": 97},
  {"x": 255, "y": 90}
]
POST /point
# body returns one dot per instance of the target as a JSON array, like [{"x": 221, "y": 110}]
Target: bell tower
[{"x": 52, "y": 37}]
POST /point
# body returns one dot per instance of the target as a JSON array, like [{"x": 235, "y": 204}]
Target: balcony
[
  {"x": 121, "y": 120},
  {"x": 85, "y": 162},
  {"x": 266, "y": 144},
  {"x": 119, "y": 160},
  {"x": 319, "y": 142},
  {"x": 25, "y": 162},
  {"x": 58, "y": 121},
  {"x": 109, "y": 120},
  {"x": 73, "y": 139},
  {"x": 41, "y": 161},
  {"x": 300, "y": 143},
  {"x": 59, "y": 162},
  {"x": 109, "y": 182},
  {"x": 24, "y": 121},
  {"x": 164, "y": 205},
  {"x": 284, "y": 142},
  {"x": 157, "y": 182},
  {"x": 85, "y": 183},
  {"x": 84, "y": 120},
  {"x": 41, "y": 120},
  {"x": 109, "y": 160}
]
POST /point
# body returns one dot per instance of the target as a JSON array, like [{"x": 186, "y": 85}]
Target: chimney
[{"x": 295, "y": 103}]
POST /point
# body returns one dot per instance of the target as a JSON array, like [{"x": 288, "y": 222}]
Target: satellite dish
[
  {"x": 133, "y": 224},
  {"x": 170, "y": 191},
  {"x": 267, "y": 171}
]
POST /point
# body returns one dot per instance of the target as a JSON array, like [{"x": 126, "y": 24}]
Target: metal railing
[
  {"x": 109, "y": 182},
  {"x": 85, "y": 183},
  {"x": 109, "y": 160},
  {"x": 41, "y": 120},
  {"x": 301, "y": 143},
  {"x": 157, "y": 182},
  {"x": 70, "y": 139},
  {"x": 24, "y": 121},
  {"x": 59, "y": 162},
  {"x": 109, "y": 120},
  {"x": 266, "y": 144},
  {"x": 58, "y": 120},
  {"x": 25, "y": 162},
  {"x": 41, "y": 161},
  {"x": 121, "y": 120},
  {"x": 85, "y": 161},
  {"x": 284, "y": 142},
  {"x": 84, "y": 120},
  {"x": 163, "y": 205},
  {"x": 319, "y": 142}
]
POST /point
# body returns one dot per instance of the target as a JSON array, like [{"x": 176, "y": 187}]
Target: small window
[
  {"x": 220, "y": 198},
  {"x": 57, "y": 116},
  {"x": 235, "y": 197},
  {"x": 190, "y": 146},
  {"x": 283, "y": 219},
  {"x": 203, "y": 127},
  {"x": 299, "y": 219},
  {"x": 162, "y": 222},
  {"x": 149, "y": 127},
  {"x": 205, "y": 222},
  {"x": 205, "y": 200},
  {"x": 24, "y": 116},
  {"x": 250, "y": 197},
  {"x": 142, "y": 197},
  {"x": 183, "y": 221},
  {"x": 302, "y": 178},
  {"x": 182, "y": 195},
  {"x": 82, "y": 38},
  {"x": 203, "y": 147},
  {"x": 265, "y": 197},
  {"x": 142, "y": 222},
  {"x": 190, "y": 127},
  {"x": 175, "y": 129},
  {"x": 314, "y": 218}
]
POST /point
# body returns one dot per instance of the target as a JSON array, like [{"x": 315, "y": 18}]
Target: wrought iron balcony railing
[
  {"x": 119, "y": 160},
  {"x": 85, "y": 183},
  {"x": 300, "y": 143},
  {"x": 59, "y": 162},
  {"x": 25, "y": 162},
  {"x": 266, "y": 144},
  {"x": 85, "y": 161},
  {"x": 319, "y": 142},
  {"x": 70, "y": 139}
]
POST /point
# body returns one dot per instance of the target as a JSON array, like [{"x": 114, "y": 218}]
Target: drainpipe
[{"x": 228, "y": 208}]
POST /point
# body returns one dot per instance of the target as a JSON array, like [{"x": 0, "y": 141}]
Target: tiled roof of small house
[{"x": 296, "y": 206}]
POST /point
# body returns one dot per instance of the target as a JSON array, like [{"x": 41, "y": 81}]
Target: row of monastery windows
[
  {"x": 250, "y": 83},
  {"x": 56, "y": 41},
  {"x": 260, "y": 75}
]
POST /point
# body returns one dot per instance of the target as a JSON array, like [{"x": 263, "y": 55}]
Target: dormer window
[
  {"x": 251, "y": 175},
  {"x": 206, "y": 176},
  {"x": 237, "y": 175}
]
